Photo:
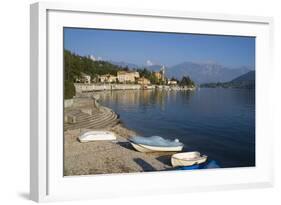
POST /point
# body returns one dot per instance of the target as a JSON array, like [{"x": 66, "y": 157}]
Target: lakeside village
[
  {"x": 84, "y": 74},
  {"x": 130, "y": 80},
  {"x": 86, "y": 120}
]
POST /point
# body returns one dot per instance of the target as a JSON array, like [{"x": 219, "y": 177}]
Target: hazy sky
[{"x": 144, "y": 48}]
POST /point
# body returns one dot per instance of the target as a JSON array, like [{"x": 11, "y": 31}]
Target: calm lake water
[{"x": 214, "y": 121}]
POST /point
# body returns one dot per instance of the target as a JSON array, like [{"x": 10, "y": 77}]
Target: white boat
[
  {"x": 187, "y": 159},
  {"x": 155, "y": 144},
  {"x": 96, "y": 136},
  {"x": 147, "y": 148}
]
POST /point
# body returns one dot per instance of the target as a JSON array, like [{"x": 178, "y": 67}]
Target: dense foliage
[
  {"x": 74, "y": 65},
  {"x": 69, "y": 89},
  {"x": 186, "y": 81}
]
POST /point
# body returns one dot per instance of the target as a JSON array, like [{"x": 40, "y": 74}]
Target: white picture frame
[{"x": 46, "y": 139}]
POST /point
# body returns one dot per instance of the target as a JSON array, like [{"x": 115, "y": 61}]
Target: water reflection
[
  {"x": 217, "y": 122},
  {"x": 144, "y": 98}
]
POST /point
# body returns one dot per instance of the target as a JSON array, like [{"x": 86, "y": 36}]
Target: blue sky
[{"x": 144, "y": 48}]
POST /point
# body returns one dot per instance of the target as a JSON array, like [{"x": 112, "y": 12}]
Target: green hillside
[
  {"x": 244, "y": 81},
  {"x": 75, "y": 64}
]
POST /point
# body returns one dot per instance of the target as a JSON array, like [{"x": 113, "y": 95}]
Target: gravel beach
[{"x": 105, "y": 157}]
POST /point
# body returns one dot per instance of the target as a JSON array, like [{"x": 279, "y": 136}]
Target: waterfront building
[
  {"x": 107, "y": 78},
  {"x": 172, "y": 82},
  {"x": 161, "y": 74},
  {"x": 143, "y": 81},
  {"x": 85, "y": 78},
  {"x": 127, "y": 76}
]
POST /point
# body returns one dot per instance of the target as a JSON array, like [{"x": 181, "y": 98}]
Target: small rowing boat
[
  {"x": 155, "y": 144},
  {"x": 187, "y": 159},
  {"x": 96, "y": 136},
  {"x": 207, "y": 165}
]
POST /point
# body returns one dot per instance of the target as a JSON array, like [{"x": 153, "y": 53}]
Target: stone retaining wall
[
  {"x": 68, "y": 103},
  {"x": 80, "y": 102},
  {"x": 80, "y": 87}
]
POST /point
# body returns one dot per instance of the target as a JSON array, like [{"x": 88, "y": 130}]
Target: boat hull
[
  {"x": 147, "y": 148},
  {"x": 179, "y": 160},
  {"x": 97, "y": 136}
]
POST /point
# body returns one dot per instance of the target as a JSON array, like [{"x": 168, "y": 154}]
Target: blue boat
[{"x": 208, "y": 165}]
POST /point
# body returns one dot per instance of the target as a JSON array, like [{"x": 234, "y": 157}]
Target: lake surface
[{"x": 214, "y": 121}]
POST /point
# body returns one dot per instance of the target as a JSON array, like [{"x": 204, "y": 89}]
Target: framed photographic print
[{"x": 128, "y": 102}]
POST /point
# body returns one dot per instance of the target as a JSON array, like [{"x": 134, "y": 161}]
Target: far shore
[{"x": 82, "y": 87}]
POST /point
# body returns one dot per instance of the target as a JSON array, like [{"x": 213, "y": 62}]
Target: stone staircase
[{"x": 99, "y": 119}]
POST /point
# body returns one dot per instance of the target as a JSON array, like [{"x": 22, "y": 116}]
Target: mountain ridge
[
  {"x": 200, "y": 72},
  {"x": 206, "y": 72},
  {"x": 244, "y": 81}
]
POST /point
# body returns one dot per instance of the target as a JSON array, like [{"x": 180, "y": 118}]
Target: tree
[
  {"x": 69, "y": 89},
  {"x": 74, "y": 65},
  {"x": 186, "y": 81}
]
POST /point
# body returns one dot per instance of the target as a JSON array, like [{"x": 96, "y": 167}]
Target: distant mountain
[
  {"x": 132, "y": 65},
  {"x": 205, "y": 72},
  {"x": 246, "y": 78},
  {"x": 198, "y": 72},
  {"x": 244, "y": 81},
  {"x": 125, "y": 64}
]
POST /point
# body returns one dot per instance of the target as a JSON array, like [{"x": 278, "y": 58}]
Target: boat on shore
[
  {"x": 187, "y": 159},
  {"x": 96, "y": 136},
  {"x": 155, "y": 144},
  {"x": 212, "y": 164}
]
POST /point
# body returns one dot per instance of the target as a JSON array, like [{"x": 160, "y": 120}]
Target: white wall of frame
[{"x": 14, "y": 104}]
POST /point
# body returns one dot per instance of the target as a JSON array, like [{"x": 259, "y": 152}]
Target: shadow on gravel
[
  {"x": 126, "y": 145},
  {"x": 144, "y": 165},
  {"x": 166, "y": 159}
]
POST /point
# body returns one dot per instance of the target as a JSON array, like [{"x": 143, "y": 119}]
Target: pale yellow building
[
  {"x": 158, "y": 75},
  {"x": 107, "y": 78},
  {"x": 144, "y": 81},
  {"x": 161, "y": 74},
  {"x": 127, "y": 76}
]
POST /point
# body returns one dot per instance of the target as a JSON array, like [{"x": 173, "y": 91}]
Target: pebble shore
[{"x": 108, "y": 157}]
